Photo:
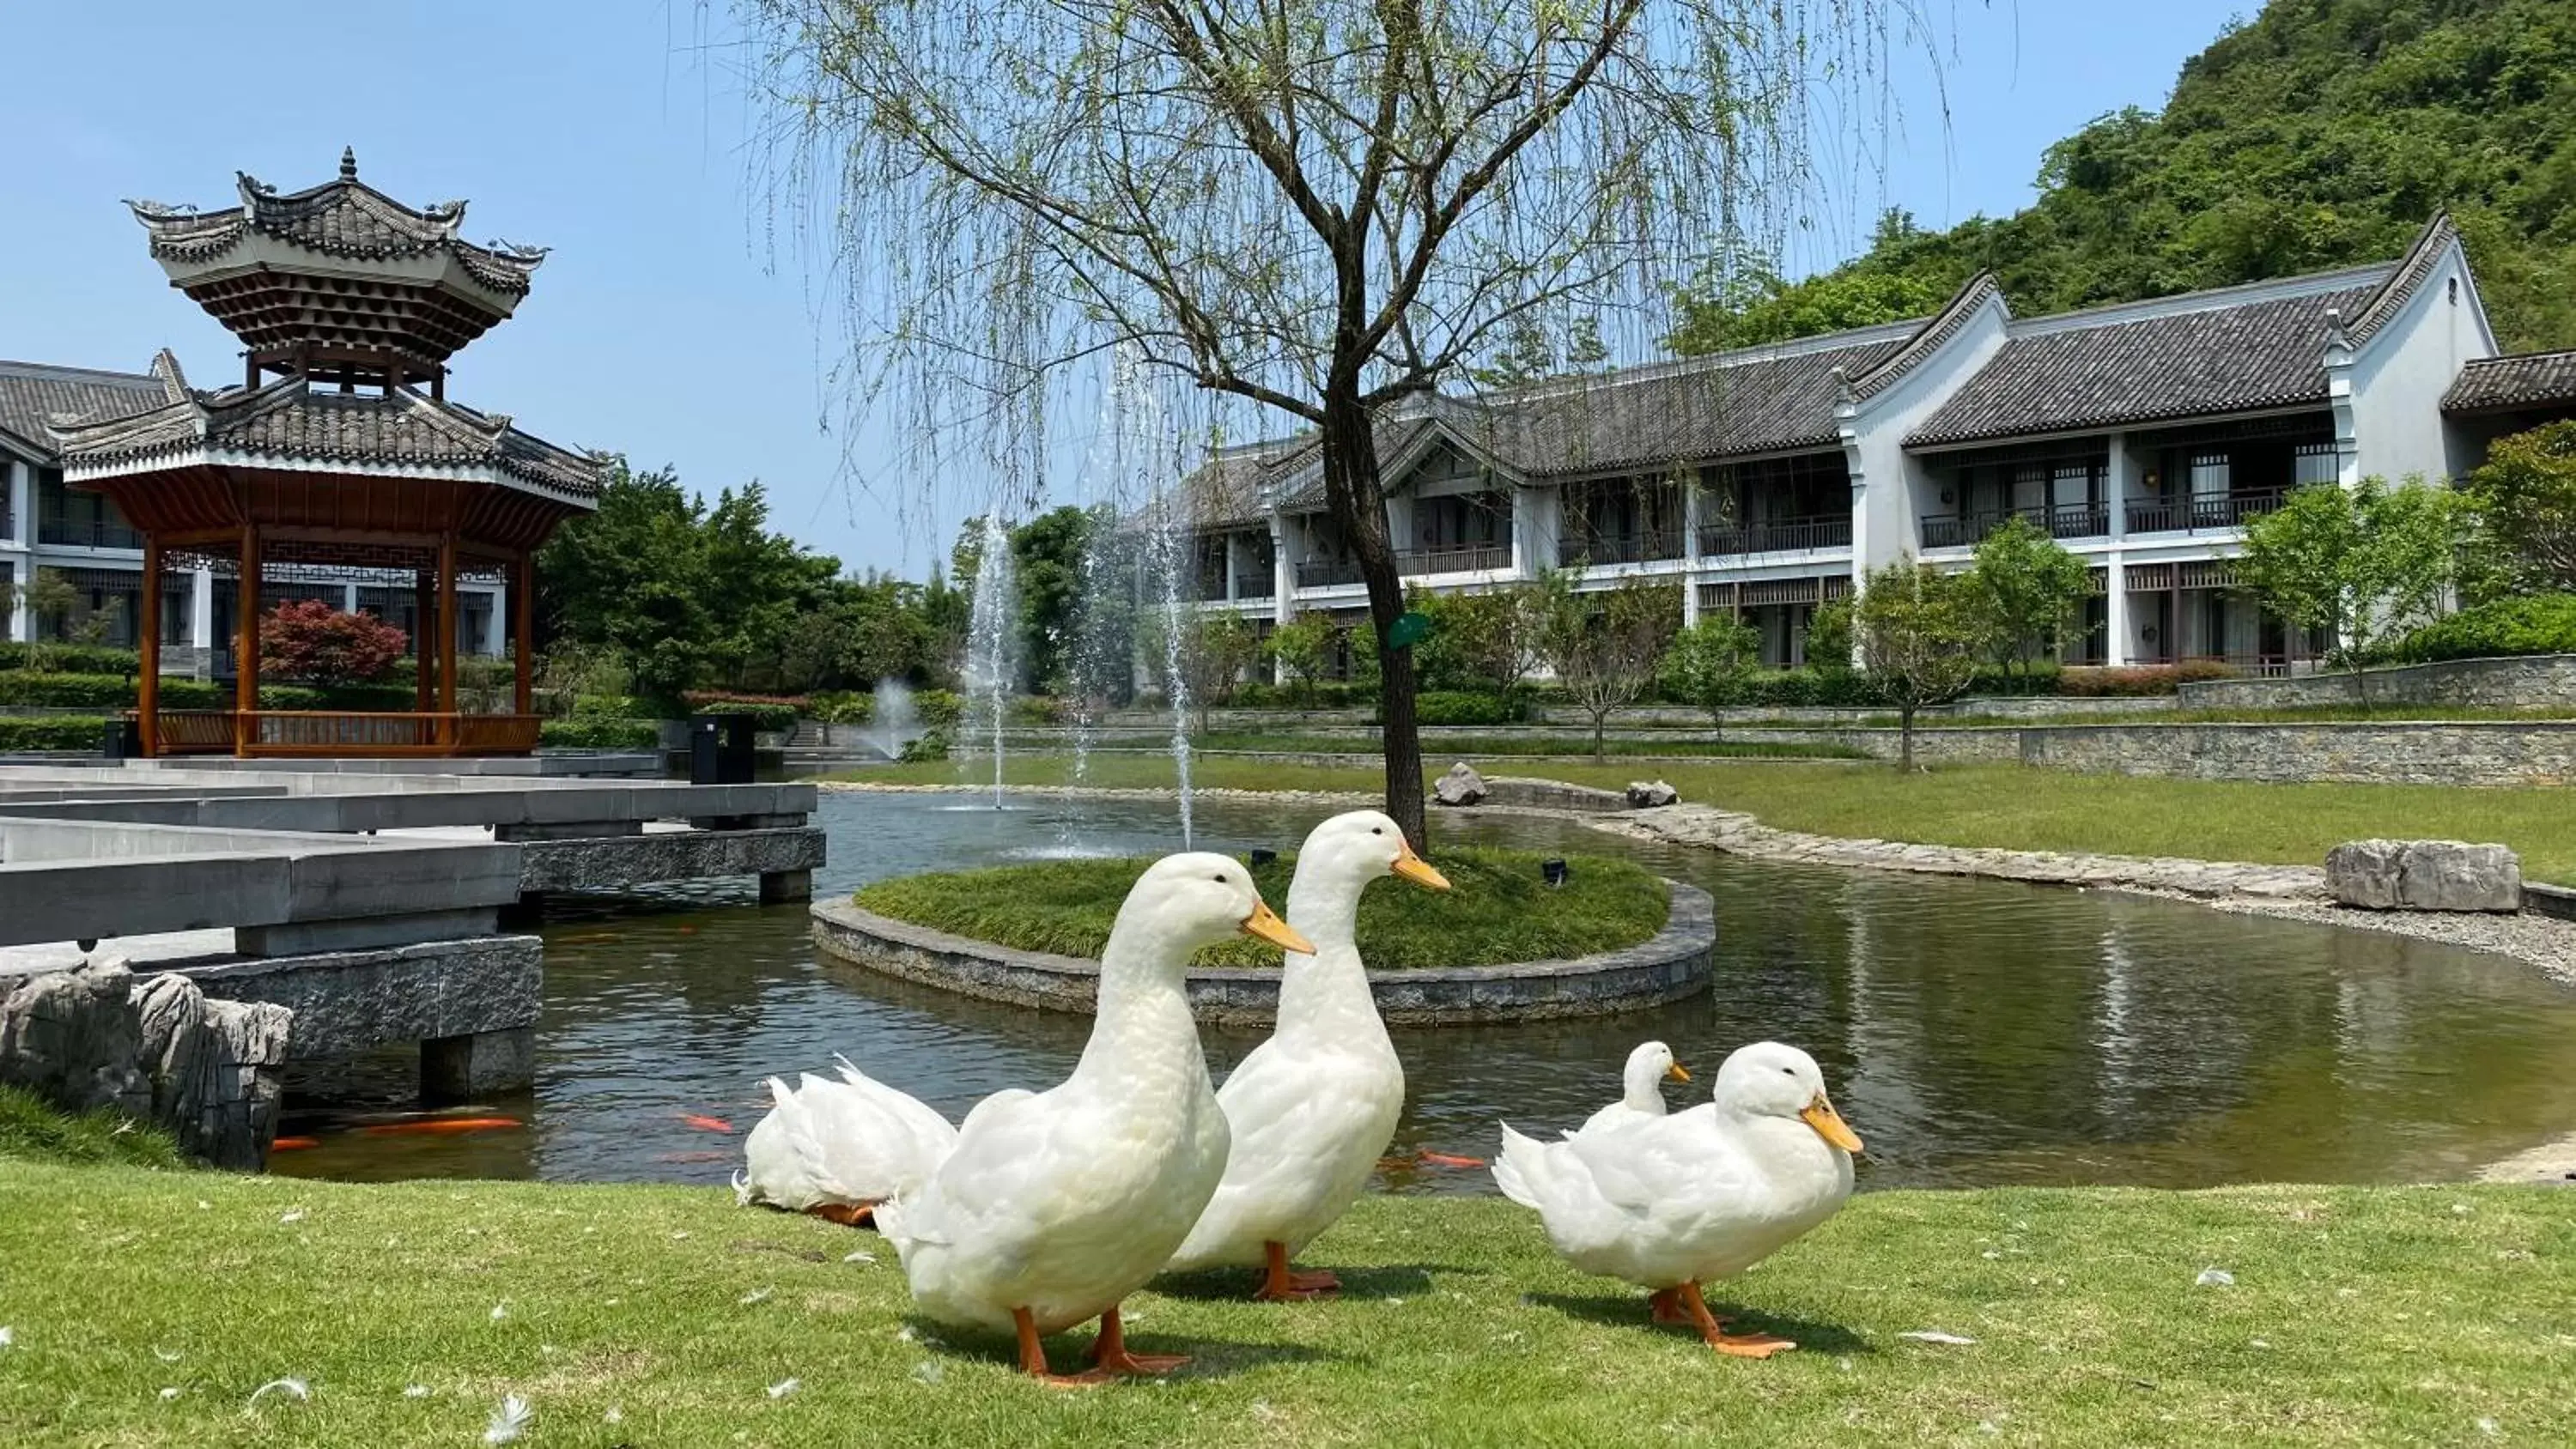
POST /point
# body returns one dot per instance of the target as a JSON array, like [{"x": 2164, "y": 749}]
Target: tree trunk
[
  {"x": 1600, "y": 721},
  {"x": 1905, "y": 738},
  {"x": 1351, "y": 490}
]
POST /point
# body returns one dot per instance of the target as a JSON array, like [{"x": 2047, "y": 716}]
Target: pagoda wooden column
[
  {"x": 246, "y": 646},
  {"x": 447, "y": 640},
  {"x": 424, "y": 638},
  {"x": 523, "y": 609},
  {"x": 147, "y": 690}
]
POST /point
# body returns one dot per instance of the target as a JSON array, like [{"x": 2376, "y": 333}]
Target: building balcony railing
[
  {"x": 1209, "y": 588},
  {"x": 1777, "y": 535},
  {"x": 1254, "y": 585},
  {"x": 1325, "y": 573},
  {"x": 1620, "y": 548},
  {"x": 1454, "y": 558},
  {"x": 87, "y": 533},
  {"x": 2202, "y": 513},
  {"x": 2063, "y": 520}
]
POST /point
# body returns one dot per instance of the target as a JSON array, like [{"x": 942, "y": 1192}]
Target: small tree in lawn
[
  {"x": 2524, "y": 502},
  {"x": 1920, "y": 634},
  {"x": 2032, "y": 587},
  {"x": 1604, "y": 645},
  {"x": 2364, "y": 564},
  {"x": 1215, "y": 651},
  {"x": 1301, "y": 646},
  {"x": 1713, "y": 660},
  {"x": 310, "y": 642}
]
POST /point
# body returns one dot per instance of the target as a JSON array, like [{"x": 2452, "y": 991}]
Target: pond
[{"x": 1973, "y": 1032}]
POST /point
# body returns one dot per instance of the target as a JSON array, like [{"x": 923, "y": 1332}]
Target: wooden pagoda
[{"x": 332, "y": 455}]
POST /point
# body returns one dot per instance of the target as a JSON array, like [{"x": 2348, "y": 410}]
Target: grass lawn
[
  {"x": 1538, "y": 742},
  {"x": 1492, "y": 916},
  {"x": 146, "y": 1308}
]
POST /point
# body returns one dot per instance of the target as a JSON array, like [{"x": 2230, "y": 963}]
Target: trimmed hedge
[
  {"x": 117, "y": 691},
  {"x": 1465, "y": 707},
  {"x": 76, "y": 658},
  {"x": 52, "y": 732},
  {"x": 2139, "y": 680},
  {"x": 766, "y": 717},
  {"x": 599, "y": 734},
  {"x": 1258, "y": 695},
  {"x": 2530, "y": 624}
]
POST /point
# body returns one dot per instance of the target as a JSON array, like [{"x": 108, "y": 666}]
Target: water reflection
[{"x": 1975, "y": 1032}]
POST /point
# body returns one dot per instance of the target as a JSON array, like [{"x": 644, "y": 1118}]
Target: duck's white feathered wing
[{"x": 855, "y": 1141}]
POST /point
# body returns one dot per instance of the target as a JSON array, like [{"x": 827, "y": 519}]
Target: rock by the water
[
  {"x": 2424, "y": 875},
  {"x": 156, "y": 1049},
  {"x": 1649, "y": 794},
  {"x": 1461, "y": 786}
]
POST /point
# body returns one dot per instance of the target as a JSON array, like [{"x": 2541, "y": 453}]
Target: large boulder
[
  {"x": 156, "y": 1048},
  {"x": 1461, "y": 786},
  {"x": 1649, "y": 794},
  {"x": 2424, "y": 875}
]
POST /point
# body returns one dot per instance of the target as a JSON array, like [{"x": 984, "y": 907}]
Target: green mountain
[{"x": 2320, "y": 134}]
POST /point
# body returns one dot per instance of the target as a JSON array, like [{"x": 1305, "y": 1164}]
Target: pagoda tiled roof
[
  {"x": 289, "y": 421},
  {"x": 33, "y": 392},
  {"x": 2503, "y": 384},
  {"x": 343, "y": 217}
]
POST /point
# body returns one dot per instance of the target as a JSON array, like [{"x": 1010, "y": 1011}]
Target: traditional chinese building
[{"x": 338, "y": 454}]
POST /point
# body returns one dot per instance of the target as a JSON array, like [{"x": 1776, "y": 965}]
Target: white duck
[
  {"x": 830, "y": 1148},
  {"x": 1313, "y": 1107},
  {"x": 1047, "y": 1208},
  {"x": 1648, "y": 1066},
  {"x": 1671, "y": 1202}
]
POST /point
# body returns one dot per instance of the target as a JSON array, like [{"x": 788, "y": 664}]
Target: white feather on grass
[
  {"x": 415, "y": 1391},
  {"x": 756, "y": 1295},
  {"x": 508, "y": 1421},
  {"x": 291, "y": 1387},
  {"x": 784, "y": 1387}
]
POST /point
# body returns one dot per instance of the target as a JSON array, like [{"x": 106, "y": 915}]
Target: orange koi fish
[
  {"x": 441, "y": 1125},
  {"x": 705, "y": 1124}
]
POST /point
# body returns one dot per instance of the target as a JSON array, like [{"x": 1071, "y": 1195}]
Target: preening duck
[
  {"x": 1671, "y": 1202},
  {"x": 1312, "y": 1108},
  {"x": 1649, "y": 1066}
]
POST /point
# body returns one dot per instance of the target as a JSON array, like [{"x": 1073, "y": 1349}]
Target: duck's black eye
[
  {"x": 1788, "y": 1071},
  {"x": 1377, "y": 830},
  {"x": 1223, "y": 879}
]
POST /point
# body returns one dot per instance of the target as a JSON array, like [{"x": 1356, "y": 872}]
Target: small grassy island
[{"x": 1498, "y": 910}]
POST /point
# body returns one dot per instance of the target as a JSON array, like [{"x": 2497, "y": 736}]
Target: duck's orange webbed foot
[
  {"x": 1667, "y": 1306},
  {"x": 1712, "y": 1330},
  {"x": 848, "y": 1215},
  {"x": 1282, "y": 1284}
]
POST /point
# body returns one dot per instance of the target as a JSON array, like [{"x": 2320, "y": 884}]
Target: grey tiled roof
[
  {"x": 286, "y": 419},
  {"x": 2531, "y": 379},
  {"x": 342, "y": 218},
  {"x": 2148, "y": 362},
  {"x": 33, "y": 392}
]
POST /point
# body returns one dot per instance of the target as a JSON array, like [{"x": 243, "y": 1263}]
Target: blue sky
[{"x": 660, "y": 326}]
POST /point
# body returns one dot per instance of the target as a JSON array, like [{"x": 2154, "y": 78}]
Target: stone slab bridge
[{"x": 377, "y": 907}]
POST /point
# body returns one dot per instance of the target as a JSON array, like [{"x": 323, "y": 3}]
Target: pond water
[{"x": 1973, "y": 1032}]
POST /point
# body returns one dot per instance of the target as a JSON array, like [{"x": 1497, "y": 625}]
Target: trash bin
[
  {"x": 123, "y": 741},
  {"x": 721, "y": 749}
]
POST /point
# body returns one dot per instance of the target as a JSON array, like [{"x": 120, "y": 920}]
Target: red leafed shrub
[
  {"x": 717, "y": 698},
  {"x": 311, "y": 642},
  {"x": 2139, "y": 679}
]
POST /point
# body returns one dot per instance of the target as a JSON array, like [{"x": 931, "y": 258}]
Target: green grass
[
  {"x": 1497, "y": 910},
  {"x": 33, "y": 1131},
  {"x": 2004, "y": 806},
  {"x": 1552, "y": 742},
  {"x": 2358, "y": 1316}
]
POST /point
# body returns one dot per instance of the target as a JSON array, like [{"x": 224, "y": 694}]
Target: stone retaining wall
[
  {"x": 2397, "y": 753},
  {"x": 2538, "y": 681},
  {"x": 1676, "y": 964}
]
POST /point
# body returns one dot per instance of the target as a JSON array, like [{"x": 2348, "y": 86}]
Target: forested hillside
[{"x": 2322, "y": 133}]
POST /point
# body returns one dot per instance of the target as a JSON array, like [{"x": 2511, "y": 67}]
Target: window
[
  {"x": 2209, "y": 475},
  {"x": 2314, "y": 463},
  {"x": 2073, "y": 485}
]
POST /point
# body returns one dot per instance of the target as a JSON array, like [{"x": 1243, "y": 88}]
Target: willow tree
[{"x": 1323, "y": 209}]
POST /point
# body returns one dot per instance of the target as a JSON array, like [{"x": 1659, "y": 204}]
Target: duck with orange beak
[
  {"x": 1672, "y": 1202},
  {"x": 1642, "y": 1085},
  {"x": 1312, "y": 1109}
]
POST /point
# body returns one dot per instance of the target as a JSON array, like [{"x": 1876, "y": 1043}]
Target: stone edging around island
[{"x": 1678, "y": 962}]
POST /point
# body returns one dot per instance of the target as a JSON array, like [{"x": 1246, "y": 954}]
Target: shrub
[
  {"x": 1808, "y": 688},
  {"x": 939, "y": 709},
  {"x": 1290, "y": 696},
  {"x": 309, "y": 641},
  {"x": 1464, "y": 707},
  {"x": 71, "y": 691},
  {"x": 931, "y": 745},
  {"x": 770, "y": 714},
  {"x": 2529, "y": 624},
  {"x": 52, "y": 732},
  {"x": 599, "y": 734},
  {"x": 73, "y": 658},
  {"x": 611, "y": 706},
  {"x": 2138, "y": 680},
  {"x": 369, "y": 698},
  {"x": 844, "y": 707},
  {"x": 1036, "y": 709}
]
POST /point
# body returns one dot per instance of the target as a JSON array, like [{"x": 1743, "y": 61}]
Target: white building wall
[
  {"x": 2399, "y": 376},
  {"x": 1889, "y": 484},
  {"x": 19, "y": 547}
]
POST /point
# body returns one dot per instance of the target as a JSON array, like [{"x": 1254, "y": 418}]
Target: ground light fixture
[
  {"x": 1553, "y": 872},
  {"x": 1263, "y": 855}
]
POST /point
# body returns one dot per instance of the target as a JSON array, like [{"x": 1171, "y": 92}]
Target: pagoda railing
[{"x": 290, "y": 732}]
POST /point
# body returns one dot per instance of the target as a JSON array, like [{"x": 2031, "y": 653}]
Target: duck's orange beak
[
  {"x": 1264, "y": 925},
  {"x": 1417, "y": 870},
  {"x": 1829, "y": 1124},
  {"x": 1677, "y": 1072}
]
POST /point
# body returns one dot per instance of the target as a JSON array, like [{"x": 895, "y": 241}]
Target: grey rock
[
  {"x": 1461, "y": 786},
  {"x": 1651, "y": 794},
  {"x": 2425, "y": 875}
]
